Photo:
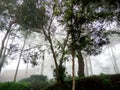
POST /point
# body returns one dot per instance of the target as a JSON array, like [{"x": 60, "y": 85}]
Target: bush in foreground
[
  {"x": 102, "y": 82},
  {"x": 15, "y": 86}
]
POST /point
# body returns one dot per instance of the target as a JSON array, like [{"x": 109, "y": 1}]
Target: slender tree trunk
[
  {"x": 73, "y": 70},
  {"x": 113, "y": 60},
  {"x": 2, "y": 49},
  {"x": 55, "y": 60},
  {"x": 3, "y": 57},
  {"x": 26, "y": 71},
  {"x": 86, "y": 67},
  {"x": 16, "y": 72},
  {"x": 63, "y": 50},
  {"x": 3, "y": 45},
  {"x": 3, "y": 42},
  {"x": 80, "y": 64},
  {"x": 48, "y": 37},
  {"x": 53, "y": 53},
  {"x": 42, "y": 66},
  {"x": 4, "y": 54},
  {"x": 90, "y": 63}
]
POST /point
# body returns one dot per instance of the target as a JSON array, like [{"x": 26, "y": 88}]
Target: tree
[
  {"x": 81, "y": 17},
  {"x": 33, "y": 15},
  {"x": 6, "y": 23},
  {"x": 85, "y": 16}
]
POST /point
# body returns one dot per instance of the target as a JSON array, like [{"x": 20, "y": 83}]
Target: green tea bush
[
  {"x": 101, "y": 82},
  {"x": 15, "y": 86},
  {"x": 37, "y": 82}
]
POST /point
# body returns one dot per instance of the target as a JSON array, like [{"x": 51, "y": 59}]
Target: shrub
[
  {"x": 15, "y": 86},
  {"x": 102, "y": 82},
  {"x": 36, "y": 81}
]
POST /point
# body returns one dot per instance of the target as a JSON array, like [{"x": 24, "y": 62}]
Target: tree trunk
[
  {"x": 80, "y": 64},
  {"x": 16, "y": 72},
  {"x": 42, "y": 65},
  {"x": 73, "y": 70},
  {"x": 113, "y": 58},
  {"x": 26, "y": 71},
  {"x": 48, "y": 37},
  {"x": 63, "y": 49},
  {"x": 55, "y": 60},
  {"x": 2, "y": 50},
  {"x": 86, "y": 67},
  {"x": 90, "y": 63}
]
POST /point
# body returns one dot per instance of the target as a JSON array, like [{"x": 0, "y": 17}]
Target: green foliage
[
  {"x": 15, "y": 86},
  {"x": 30, "y": 14},
  {"x": 33, "y": 55},
  {"x": 62, "y": 73},
  {"x": 7, "y": 10},
  {"x": 36, "y": 81},
  {"x": 81, "y": 17},
  {"x": 7, "y": 5},
  {"x": 102, "y": 82}
]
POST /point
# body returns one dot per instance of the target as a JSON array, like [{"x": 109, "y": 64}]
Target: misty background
[{"x": 101, "y": 64}]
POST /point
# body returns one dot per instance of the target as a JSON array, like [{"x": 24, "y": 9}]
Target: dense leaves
[
  {"x": 87, "y": 24},
  {"x": 15, "y": 86},
  {"x": 62, "y": 73},
  {"x": 31, "y": 14},
  {"x": 102, "y": 82},
  {"x": 36, "y": 81}
]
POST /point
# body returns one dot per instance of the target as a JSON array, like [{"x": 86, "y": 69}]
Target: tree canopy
[{"x": 31, "y": 14}]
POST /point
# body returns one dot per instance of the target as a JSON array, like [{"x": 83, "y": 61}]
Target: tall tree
[
  {"x": 34, "y": 15},
  {"x": 6, "y": 22},
  {"x": 81, "y": 17},
  {"x": 89, "y": 21}
]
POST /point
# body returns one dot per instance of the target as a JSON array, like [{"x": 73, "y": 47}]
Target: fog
[{"x": 101, "y": 64}]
